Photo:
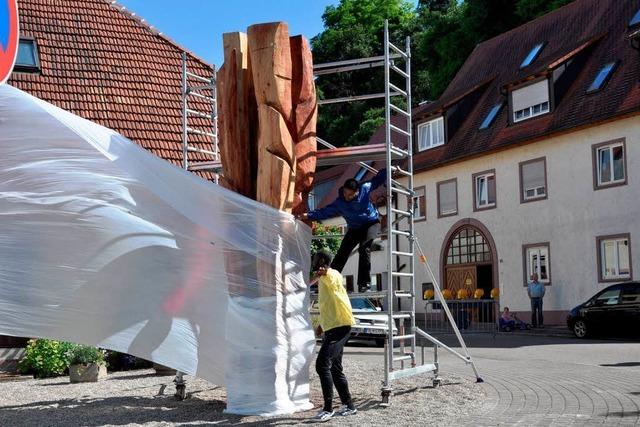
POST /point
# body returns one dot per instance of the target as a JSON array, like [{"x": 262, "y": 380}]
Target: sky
[{"x": 197, "y": 25}]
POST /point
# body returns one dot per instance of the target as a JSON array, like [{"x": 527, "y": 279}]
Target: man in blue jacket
[{"x": 363, "y": 224}]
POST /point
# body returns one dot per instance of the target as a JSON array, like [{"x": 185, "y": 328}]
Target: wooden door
[{"x": 460, "y": 277}]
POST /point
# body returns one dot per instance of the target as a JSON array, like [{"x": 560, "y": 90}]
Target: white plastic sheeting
[{"x": 104, "y": 244}]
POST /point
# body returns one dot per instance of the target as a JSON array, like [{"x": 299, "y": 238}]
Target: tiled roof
[
  {"x": 103, "y": 63},
  {"x": 593, "y": 32}
]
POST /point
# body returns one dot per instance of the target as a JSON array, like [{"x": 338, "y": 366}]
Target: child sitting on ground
[{"x": 509, "y": 321}]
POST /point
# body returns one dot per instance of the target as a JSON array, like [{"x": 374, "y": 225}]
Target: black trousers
[
  {"x": 329, "y": 366},
  {"x": 363, "y": 238},
  {"x": 536, "y": 312}
]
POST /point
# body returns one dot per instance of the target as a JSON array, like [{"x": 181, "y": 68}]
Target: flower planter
[{"x": 91, "y": 373}]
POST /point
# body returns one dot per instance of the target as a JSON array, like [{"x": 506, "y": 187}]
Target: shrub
[
  {"x": 84, "y": 355},
  {"x": 45, "y": 358}
]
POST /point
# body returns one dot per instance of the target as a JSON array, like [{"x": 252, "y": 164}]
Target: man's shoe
[
  {"x": 323, "y": 416},
  {"x": 345, "y": 411}
]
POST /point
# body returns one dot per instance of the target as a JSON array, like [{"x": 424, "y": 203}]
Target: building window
[
  {"x": 468, "y": 246},
  {"x": 603, "y": 76},
  {"x": 530, "y": 101},
  {"x": 491, "y": 116},
  {"x": 447, "y": 198},
  {"x": 614, "y": 257},
  {"x": 431, "y": 134},
  {"x": 349, "y": 283},
  {"x": 419, "y": 204},
  {"x": 376, "y": 282},
  {"x": 533, "y": 54},
  {"x": 533, "y": 180},
  {"x": 27, "y": 59},
  {"x": 536, "y": 260},
  {"x": 484, "y": 190},
  {"x": 609, "y": 164}
]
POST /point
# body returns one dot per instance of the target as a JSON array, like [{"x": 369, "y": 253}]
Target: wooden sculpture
[{"x": 267, "y": 116}]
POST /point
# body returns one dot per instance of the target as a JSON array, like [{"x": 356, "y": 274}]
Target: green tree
[
  {"x": 444, "y": 33},
  {"x": 353, "y": 29},
  {"x": 330, "y": 243}
]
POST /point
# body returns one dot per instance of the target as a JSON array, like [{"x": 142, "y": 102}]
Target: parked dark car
[{"x": 612, "y": 311}]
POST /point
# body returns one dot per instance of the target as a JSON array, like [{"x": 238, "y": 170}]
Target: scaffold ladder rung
[
  {"x": 197, "y": 77},
  {"x": 398, "y": 90},
  {"x": 397, "y": 50},
  {"x": 399, "y": 110},
  {"x": 400, "y": 253},
  {"x": 403, "y": 357},
  {"x": 399, "y": 71},
  {"x": 401, "y": 212},
  {"x": 400, "y": 131}
]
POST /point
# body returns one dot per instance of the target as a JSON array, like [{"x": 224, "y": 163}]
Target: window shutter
[
  {"x": 528, "y": 96},
  {"x": 448, "y": 202},
  {"x": 491, "y": 188},
  {"x": 533, "y": 175}
]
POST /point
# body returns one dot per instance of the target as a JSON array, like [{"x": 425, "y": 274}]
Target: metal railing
[{"x": 470, "y": 315}]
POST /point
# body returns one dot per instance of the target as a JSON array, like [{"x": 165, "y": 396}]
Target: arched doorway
[{"x": 468, "y": 258}]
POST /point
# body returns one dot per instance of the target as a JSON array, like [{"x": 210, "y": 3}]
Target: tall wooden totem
[{"x": 267, "y": 114}]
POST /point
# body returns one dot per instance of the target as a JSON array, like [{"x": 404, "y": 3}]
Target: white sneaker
[
  {"x": 323, "y": 416},
  {"x": 345, "y": 411}
]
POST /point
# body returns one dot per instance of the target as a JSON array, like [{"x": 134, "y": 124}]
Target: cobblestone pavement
[{"x": 551, "y": 381}]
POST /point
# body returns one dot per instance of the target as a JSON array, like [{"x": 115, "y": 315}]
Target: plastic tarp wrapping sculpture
[{"x": 104, "y": 244}]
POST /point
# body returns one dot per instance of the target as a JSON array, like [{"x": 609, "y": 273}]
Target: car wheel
[
  {"x": 580, "y": 328},
  {"x": 380, "y": 342}
]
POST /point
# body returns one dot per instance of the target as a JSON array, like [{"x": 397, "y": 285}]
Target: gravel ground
[{"x": 131, "y": 398}]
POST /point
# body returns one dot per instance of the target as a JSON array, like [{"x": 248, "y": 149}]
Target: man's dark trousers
[
  {"x": 536, "y": 312},
  {"x": 329, "y": 366},
  {"x": 364, "y": 238}
]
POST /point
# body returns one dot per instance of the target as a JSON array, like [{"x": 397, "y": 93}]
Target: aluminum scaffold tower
[
  {"x": 203, "y": 89},
  {"x": 198, "y": 88},
  {"x": 400, "y": 359}
]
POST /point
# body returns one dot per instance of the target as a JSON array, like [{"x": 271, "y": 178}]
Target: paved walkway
[{"x": 551, "y": 381}]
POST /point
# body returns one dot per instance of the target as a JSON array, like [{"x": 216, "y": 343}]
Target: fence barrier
[{"x": 471, "y": 316}]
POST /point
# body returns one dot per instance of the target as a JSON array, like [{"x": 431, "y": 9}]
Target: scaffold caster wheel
[
  {"x": 386, "y": 398},
  {"x": 181, "y": 391},
  {"x": 437, "y": 382}
]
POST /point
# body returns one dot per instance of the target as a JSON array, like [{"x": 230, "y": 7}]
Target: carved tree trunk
[
  {"x": 237, "y": 116},
  {"x": 305, "y": 114},
  {"x": 270, "y": 52}
]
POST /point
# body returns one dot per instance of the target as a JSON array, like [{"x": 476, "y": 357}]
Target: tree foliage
[{"x": 444, "y": 32}]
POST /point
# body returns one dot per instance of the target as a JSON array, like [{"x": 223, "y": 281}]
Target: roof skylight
[
  {"x": 635, "y": 20},
  {"x": 602, "y": 77},
  {"x": 491, "y": 116},
  {"x": 533, "y": 54}
]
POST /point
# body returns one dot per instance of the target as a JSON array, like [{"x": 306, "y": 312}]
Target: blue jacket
[{"x": 358, "y": 212}]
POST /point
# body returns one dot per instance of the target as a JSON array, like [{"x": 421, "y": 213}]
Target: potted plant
[{"x": 86, "y": 364}]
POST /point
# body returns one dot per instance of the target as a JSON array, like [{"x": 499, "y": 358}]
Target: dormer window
[
  {"x": 533, "y": 54},
  {"x": 530, "y": 101},
  {"x": 431, "y": 134},
  {"x": 602, "y": 77}
]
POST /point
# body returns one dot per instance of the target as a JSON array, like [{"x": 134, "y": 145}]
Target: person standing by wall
[
  {"x": 336, "y": 319},
  {"x": 536, "y": 291}
]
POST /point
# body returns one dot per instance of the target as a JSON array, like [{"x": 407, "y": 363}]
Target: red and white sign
[{"x": 9, "y": 37}]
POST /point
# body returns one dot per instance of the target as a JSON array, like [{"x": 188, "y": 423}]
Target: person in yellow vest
[{"x": 336, "y": 319}]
